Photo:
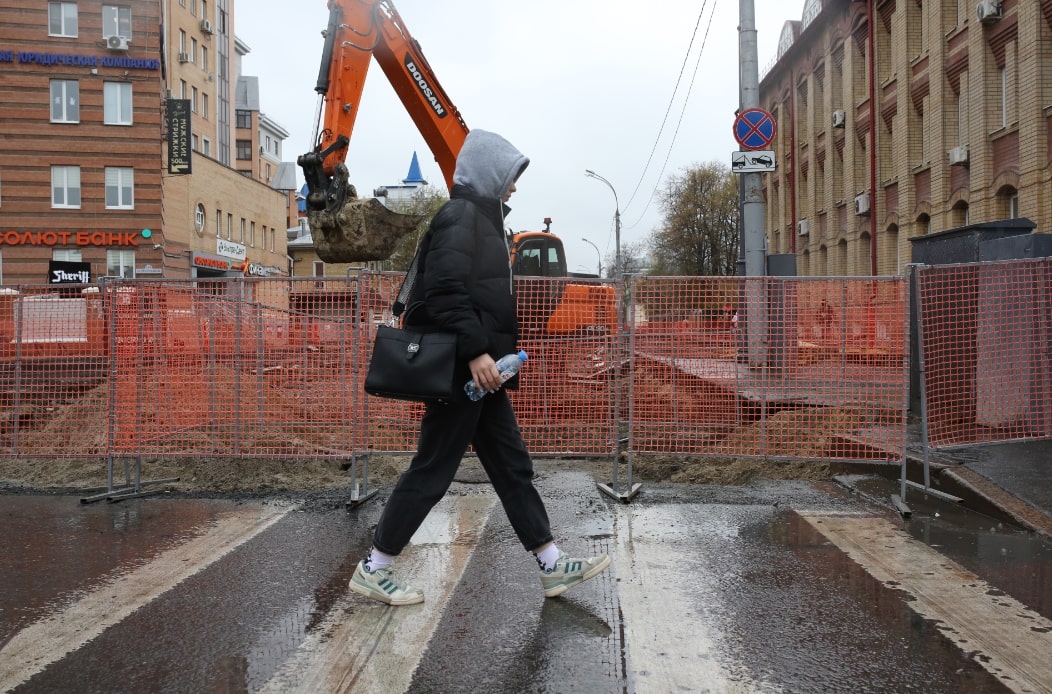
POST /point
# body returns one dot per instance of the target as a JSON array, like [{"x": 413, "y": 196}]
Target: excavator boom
[{"x": 346, "y": 228}]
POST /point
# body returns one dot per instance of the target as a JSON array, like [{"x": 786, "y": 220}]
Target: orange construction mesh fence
[
  {"x": 769, "y": 367},
  {"x": 274, "y": 367},
  {"x": 986, "y": 342}
]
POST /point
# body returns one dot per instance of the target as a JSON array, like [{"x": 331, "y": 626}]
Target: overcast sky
[{"x": 574, "y": 84}]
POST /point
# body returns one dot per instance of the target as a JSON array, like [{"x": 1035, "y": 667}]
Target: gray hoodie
[{"x": 488, "y": 164}]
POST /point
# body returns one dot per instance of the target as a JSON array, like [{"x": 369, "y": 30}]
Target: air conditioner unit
[
  {"x": 803, "y": 227},
  {"x": 862, "y": 204},
  {"x": 184, "y": 57},
  {"x": 116, "y": 43},
  {"x": 839, "y": 118},
  {"x": 989, "y": 11},
  {"x": 207, "y": 27},
  {"x": 958, "y": 156}
]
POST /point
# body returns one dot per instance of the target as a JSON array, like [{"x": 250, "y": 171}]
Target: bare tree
[
  {"x": 634, "y": 258},
  {"x": 699, "y": 235},
  {"x": 426, "y": 201}
]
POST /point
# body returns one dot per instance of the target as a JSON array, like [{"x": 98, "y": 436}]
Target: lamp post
[
  {"x": 617, "y": 221},
  {"x": 599, "y": 269}
]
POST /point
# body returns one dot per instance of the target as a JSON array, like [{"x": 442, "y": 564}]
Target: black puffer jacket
[{"x": 464, "y": 283}]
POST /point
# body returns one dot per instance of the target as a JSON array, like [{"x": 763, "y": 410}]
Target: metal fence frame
[{"x": 214, "y": 368}]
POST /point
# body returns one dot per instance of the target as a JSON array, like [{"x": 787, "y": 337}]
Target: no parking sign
[{"x": 754, "y": 129}]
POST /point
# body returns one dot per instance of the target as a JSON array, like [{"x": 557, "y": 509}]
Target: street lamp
[
  {"x": 617, "y": 221},
  {"x": 599, "y": 255}
]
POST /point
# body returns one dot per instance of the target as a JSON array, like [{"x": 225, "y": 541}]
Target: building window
[
  {"x": 252, "y": 231},
  {"x": 273, "y": 240},
  {"x": 244, "y": 119},
  {"x": 244, "y": 223},
  {"x": 62, "y": 19},
  {"x": 229, "y": 225},
  {"x": 193, "y": 49},
  {"x": 120, "y": 264},
  {"x": 65, "y": 101},
  {"x": 204, "y": 105},
  {"x": 120, "y": 188},
  {"x": 67, "y": 255},
  {"x": 193, "y": 7},
  {"x": 199, "y": 218},
  {"x": 319, "y": 268},
  {"x": 117, "y": 103},
  {"x": 193, "y": 99},
  {"x": 219, "y": 221},
  {"x": 206, "y": 147},
  {"x": 204, "y": 57},
  {"x": 195, "y": 143},
  {"x": 1004, "y": 96},
  {"x": 244, "y": 149},
  {"x": 116, "y": 21},
  {"x": 65, "y": 186},
  {"x": 1011, "y": 197},
  {"x": 182, "y": 41},
  {"x": 182, "y": 89}
]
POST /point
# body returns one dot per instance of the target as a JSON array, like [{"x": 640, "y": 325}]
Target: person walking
[{"x": 465, "y": 286}]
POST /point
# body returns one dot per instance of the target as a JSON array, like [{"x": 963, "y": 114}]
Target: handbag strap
[{"x": 398, "y": 307}]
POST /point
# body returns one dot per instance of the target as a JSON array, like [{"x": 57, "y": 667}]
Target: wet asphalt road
[{"x": 780, "y": 587}]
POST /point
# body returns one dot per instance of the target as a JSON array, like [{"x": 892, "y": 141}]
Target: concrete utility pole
[{"x": 754, "y": 209}]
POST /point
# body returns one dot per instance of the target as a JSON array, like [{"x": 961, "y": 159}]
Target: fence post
[{"x": 619, "y": 375}]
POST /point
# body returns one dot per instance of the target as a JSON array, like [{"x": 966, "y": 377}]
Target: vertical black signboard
[{"x": 179, "y": 136}]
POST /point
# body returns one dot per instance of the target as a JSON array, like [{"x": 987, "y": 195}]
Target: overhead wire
[{"x": 686, "y": 100}]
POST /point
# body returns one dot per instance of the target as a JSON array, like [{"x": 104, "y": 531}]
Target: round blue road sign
[{"x": 754, "y": 128}]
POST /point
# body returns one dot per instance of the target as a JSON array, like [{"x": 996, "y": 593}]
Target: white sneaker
[
  {"x": 381, "y": 585},
  {"x": 569, "y": 571}
]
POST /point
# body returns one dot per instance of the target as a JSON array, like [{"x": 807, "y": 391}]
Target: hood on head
[{"x": 488, "y": 164}]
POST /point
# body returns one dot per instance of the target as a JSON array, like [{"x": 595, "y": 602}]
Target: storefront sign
[
  {"x": 257, "y": 270},
  {"x": 178, "y": 117},
  {"x": 211, "y": 262},
  {"x": 64, "y": 272},
  {"x": 69, "y": 238},
  {"x": 79, "y": 60},
  {"x": 237, "y": 251}
]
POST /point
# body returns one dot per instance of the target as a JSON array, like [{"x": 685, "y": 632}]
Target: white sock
[
  {"x": 377, "y": 560},
  {"x": 547, "y": 557}
]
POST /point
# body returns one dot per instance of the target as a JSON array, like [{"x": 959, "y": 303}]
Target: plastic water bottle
[{"x": 508, "y": 366}]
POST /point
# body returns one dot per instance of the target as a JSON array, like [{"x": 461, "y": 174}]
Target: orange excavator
[{"x": 347, "y": 228}]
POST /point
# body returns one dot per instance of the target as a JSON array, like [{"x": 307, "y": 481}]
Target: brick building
[
  {"x": 86, "y": 172},
  {"x": 899, "y": 118}
]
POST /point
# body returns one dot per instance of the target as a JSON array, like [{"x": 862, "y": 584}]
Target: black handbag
[
  {"x": 408, "y": 364},
  {"x": 411, "y": 365}
]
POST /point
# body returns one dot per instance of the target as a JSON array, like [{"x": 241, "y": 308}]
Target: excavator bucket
[{"x": 363, "y": 229}]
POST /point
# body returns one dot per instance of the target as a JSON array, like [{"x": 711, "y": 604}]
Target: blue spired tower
[{"x": 401, "y": 196}]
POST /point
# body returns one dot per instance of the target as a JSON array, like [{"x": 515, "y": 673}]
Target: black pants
[{"x": 445, "y": 432}]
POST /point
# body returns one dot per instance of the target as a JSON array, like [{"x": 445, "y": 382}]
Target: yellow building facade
[{"x": 900, "y": 118}]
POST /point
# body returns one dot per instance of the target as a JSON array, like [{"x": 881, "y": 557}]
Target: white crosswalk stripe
[{"x": 38, "y": 645}]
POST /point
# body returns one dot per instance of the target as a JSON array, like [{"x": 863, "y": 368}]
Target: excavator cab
[{"x": 537, "y": 254}]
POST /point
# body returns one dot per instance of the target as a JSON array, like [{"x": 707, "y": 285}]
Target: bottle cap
[{"x": 522, "y": 355}]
